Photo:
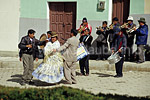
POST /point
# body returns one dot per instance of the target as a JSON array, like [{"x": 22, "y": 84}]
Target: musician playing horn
[
  {"x": 112, "y": 29},
  {"x": 84, "y": 25},
  {"x": 130, "y": 38},
  {"x": 141, "y": 39},
  {"x": 101, "y": 40},
  {"x": 119, "y": 42}
]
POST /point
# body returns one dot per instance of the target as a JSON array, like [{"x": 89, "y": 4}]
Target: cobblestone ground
[{"x": 132, "y": 84}]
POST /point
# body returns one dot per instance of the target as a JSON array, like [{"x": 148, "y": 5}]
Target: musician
[
  {"x": 84, "y": 26},
  {"x": 130, "y": 38},
  {"x": 101, "y": 40},
  {"x": 112, "y": 29},
  {"x": 141, "y": 39},
  {"x": 119, "y": 42},
  {"x": 86, "y": 40}
]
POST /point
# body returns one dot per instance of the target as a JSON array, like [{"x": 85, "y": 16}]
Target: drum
[{"x": 114, "y": 58}]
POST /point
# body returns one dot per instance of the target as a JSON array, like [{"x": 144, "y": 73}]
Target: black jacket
[
  {"x": 102, "y": 36},
  {"x": 31, "y": 51},
  {"x": 112, "y": 32},
  {"x": 86, "y": 39}
]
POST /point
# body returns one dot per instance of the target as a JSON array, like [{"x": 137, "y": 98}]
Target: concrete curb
[{"x": 13, "y": 62}]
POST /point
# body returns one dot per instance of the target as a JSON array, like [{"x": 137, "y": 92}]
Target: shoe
[
  {"x": 74, "y": 82},
  {"x": 81, "y": 74},
  {"x": 87, "y": 75},
  {"x": 139, "y": 62},
  {"x": 31, "y": 83},
  {"x": 118, "y": 76}
]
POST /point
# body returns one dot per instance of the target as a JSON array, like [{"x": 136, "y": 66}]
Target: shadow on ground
[{"x": 103, "y": 75}]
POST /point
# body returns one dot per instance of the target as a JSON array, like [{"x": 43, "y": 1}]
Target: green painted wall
[
  {"x": 33, "y": 9},
  {"x": 88, "y": 8},
  {"x": 136, "y": 6},
  {"x": 85, "y": 8}
]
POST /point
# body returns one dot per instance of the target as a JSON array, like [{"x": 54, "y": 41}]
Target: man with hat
[
  {"x": 119, "y": 44},
  {"x": 130, "y": 38},
  {"x": 84, "y": 26},
  {"x": 112, "y": 29},
  {"x": 141, "y": 39}
]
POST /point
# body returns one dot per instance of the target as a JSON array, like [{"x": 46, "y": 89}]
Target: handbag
[{"x": 81, "y": 52}]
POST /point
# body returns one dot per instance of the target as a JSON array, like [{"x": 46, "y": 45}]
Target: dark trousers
[
  {"x": 140, "y": 53},
  {"x": 129, "y": 53},
  {"x": 102, "y": 50},
  {"x": 84, "y": 63},
  {"x": 119, "y": 66}
]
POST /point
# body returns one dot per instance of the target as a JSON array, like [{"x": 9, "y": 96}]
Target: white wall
[{"x": 9, "y": 24}]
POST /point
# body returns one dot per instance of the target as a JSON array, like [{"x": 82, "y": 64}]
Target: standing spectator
[
  {"x": 141, "y": 39},
  {"x": 84, "y": 26},
  {"x": 118, "y": 43},
  {"x": 84, "y": 63},
  {"x": 101, "y": 40},
  {"x": 29, "y": 52},
  {"x": 49, "y": 34}
]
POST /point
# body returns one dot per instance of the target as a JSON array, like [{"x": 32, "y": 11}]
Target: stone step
[{"x": 13, "y": 62}]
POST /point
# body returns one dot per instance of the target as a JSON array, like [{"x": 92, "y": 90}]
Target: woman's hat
[
  {"x": 43, "y": 37},
  {"x": 142, "y": 20},
  {"x": 54, "y": 34}
]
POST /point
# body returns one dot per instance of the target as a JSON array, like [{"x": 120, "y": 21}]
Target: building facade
[{"x": 17, "y": 16}]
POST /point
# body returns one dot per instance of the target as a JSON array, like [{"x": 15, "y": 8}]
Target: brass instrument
[
  {"x": 125, "y": 25},
  {"x": 110, "y": 26},
  {"x": 99, "y": 28},
  {"x": 132, "y": 29},
  {"x": 81, "y": 29}
]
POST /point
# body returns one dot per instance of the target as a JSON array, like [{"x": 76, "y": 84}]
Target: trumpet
[
  {"x": 110, "y": 26},
  {"x": 99, "y": 28},
  {"x": 124, "y": 25},
  {"x": 132, "y": 29},
  {"x": 82, "y": 28}
]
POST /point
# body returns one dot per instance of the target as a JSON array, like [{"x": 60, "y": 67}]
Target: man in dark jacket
[
  {"x": 84, "y": 63},
  {"x": 141, "y": 39},
  {"x": 119, "y": 44},
  {"x": 112, "y": 29},
  {"x": 130, "y": 34},
  {"x": 102, "y": 45},
  {"x": 29, "y": 52}
]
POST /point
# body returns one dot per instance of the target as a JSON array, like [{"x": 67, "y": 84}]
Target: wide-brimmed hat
[
  {"x": 43, "y": 37},
  {"x": 130, "y": 18},
  {"x": 142, "y": 20},
  {"x": 54, "y": 34}
]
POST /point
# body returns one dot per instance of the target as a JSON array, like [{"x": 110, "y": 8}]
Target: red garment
[{"x": 87, "y": 26}]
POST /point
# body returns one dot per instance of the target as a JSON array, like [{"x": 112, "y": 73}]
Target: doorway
[{"x": 62, "y": 19}]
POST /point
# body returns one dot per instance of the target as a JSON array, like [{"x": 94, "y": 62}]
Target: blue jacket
[{"x": 142, "y": 35}]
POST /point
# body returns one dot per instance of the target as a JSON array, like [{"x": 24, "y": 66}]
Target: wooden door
[
  {"x": 62, "y": 19},
  {"x": 121, "y": 10}
]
